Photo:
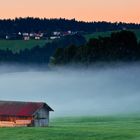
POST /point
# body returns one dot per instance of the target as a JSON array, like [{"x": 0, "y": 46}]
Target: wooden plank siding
[
  {"x": 14, "y": 121},
  {"x": 20, "y": 114}
]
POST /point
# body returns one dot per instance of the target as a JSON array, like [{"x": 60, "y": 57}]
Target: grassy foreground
[{"x": 80, "y": 128}]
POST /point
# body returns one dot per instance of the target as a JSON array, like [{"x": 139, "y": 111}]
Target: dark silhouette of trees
[{"x": 120, "y": 46}]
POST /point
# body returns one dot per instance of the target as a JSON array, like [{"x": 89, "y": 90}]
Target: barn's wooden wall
[
  {"x": 12, "y": 121},
  {"x": 14, "y": 118},
  {"x": 41, "y": 118}
]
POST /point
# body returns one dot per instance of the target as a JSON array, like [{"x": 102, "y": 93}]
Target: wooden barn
[{"x": 18, "y": 114}]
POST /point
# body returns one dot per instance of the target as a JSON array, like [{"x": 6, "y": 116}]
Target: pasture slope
[
  {"x": 107, "y": 34},
  {"x": 17, "y": 45},
  {"x": 79, "y": 128}
]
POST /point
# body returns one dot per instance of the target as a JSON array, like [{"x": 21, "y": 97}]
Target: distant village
[{"x": 37, "y": 36}]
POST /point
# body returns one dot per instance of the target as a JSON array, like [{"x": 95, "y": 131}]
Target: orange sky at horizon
[{"x": 86, "y": 10}]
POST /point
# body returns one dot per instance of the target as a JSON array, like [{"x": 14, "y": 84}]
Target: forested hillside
[
  {"x": 120, "y": 46},
  {"x": 9, "y": 26}
]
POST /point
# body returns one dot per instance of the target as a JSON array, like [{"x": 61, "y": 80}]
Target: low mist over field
[{"x": 69, "y": 91}]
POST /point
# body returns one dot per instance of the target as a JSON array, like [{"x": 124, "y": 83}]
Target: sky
[{"x": 85, "y": 10}]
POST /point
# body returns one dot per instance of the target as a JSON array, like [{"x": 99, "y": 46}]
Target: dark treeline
[
  {"x": 9, "y": 26},
  {"x": 40, "y": 55},
  {"x": 120, "y": 46}
]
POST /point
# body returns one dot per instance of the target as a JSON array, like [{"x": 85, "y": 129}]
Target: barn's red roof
[{"x": 13, "y": 108}]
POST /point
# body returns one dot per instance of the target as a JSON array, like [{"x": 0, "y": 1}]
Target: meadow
[
  {"x": 17, "y": 45},
  {"x": 79, "y": 128},
  {"x": 107, "y": 34}
]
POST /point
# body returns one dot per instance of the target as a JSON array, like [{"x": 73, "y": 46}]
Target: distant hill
[
  {"x": 48, "y": 25},
  {"x": 18, "y": 45}
]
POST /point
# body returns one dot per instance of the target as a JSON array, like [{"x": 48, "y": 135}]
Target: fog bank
[{"x": 92, "y": 91}]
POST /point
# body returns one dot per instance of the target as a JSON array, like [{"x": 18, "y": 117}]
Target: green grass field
[
  {"x": 17, "y": 45},
  {"x": 79, "y": 128},
  {"x": 137, "y": 32},
  {"x": 97, "y": 34},
  {"x": 107, "y": 34}
]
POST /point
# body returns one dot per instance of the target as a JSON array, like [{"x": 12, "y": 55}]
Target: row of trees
[
  {"x": 120, "y": 46},
  {"x": 10, "y": 26}
]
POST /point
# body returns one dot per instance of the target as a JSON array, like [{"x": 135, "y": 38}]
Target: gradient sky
[{"x": 87, "y": 10}]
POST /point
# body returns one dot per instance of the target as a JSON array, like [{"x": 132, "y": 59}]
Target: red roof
[{"x": 13, "y": 108}]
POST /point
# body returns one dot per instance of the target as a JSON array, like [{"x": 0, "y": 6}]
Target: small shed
[{"x": 18, "y": 114}]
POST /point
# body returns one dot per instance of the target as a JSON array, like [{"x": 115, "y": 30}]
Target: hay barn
[{"x": 22, "y": 114}]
